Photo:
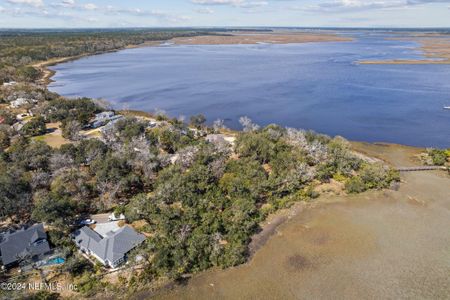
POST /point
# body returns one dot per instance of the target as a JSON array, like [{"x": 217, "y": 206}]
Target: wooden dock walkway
[{"x": 420, "y": 168}]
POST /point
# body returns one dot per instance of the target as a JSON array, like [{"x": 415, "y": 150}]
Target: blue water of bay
[{"x": 317, "y": 86}]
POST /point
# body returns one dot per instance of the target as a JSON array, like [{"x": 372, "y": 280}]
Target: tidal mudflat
[{"x": 376, "y": 245}]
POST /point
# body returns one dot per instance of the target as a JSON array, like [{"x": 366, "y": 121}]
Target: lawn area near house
[
  {"x": 53, "y": 137},
  {"x": 92, "y": 133}
]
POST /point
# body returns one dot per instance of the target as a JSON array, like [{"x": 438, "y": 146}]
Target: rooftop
[
  {"x": 31, "y": 241},
  {"x": 111, "y": 247}
]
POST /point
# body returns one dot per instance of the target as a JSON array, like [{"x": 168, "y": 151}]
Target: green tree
[
  {"x": 28, "y": 73},
  {"x": 438, "y": 156},
  {"x": 15, "y": 195},
  {"x": 5, "y": 140},
  {"x": 198, "y": 120},
  {"x": 34, "y": 127}
]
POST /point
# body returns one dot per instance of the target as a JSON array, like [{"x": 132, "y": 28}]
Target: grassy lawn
[{"x": 53, "y": 137}]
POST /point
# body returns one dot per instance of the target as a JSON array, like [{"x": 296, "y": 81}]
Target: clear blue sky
[{"x": 147, "y": 13}]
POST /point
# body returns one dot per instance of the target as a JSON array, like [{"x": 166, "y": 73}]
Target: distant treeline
[{"x": 20, "y": 49}]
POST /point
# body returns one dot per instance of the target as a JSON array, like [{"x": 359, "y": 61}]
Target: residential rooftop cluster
[{"x": 108, "y": 242}]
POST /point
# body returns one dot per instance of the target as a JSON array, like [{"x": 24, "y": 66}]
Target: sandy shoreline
[
  {"x": 253, "y": 38},
  {"x": 47, "y": 74}
]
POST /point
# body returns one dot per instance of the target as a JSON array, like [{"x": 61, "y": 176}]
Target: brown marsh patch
[
  {"x": 298, "y": 262},
  {"x": 321, "y": 238}
]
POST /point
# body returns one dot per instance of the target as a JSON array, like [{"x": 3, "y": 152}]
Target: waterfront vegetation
[
  {"x": 438, "y": 157},
  {"x": 200, "y": 209},
  {"x": 200, "y": 202},
  {"x": 19, "y": 50}
]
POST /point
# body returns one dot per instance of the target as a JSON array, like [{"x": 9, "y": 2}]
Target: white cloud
[
  {"x": 90, "y": 6},
  {"x": 218, "y": 2},
  {"x": 234, "y": 3},
  {"x": 64, "y": 3},
  {"x": 253, "y": 4},
  {"x": 68, "y": 3},
  {"x": 353, "y": 5},
  {"x": 35, "y": 3},
  {"x": 356, "y": 5},
  {"x": 204, "y": 10}
]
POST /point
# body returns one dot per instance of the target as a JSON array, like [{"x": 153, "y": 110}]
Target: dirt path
[{"x": 376, "y": 245}]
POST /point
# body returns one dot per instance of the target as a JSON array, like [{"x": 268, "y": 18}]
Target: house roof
[
  {"x": 104, "y": 115},
  {"x": 111, "y": 247},
  {"x": 26, "y": 241}
]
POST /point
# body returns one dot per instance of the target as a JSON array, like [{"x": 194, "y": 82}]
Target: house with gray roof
[
  {"x": 22, "y": 244},
  {"x": 105, "y": 118},
  {"x": 110, "y": 248}
]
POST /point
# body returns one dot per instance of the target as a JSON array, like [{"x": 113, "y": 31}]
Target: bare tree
[
  {"x": 71, "y": 130},
  {"x": 60, "y": 161},
  {"x": 187, "y": 156},
  {"x": 40, "y": 179},
  {"x": 296, "y": 137},
  {"x": 248, "y": 124},
  {"x": 219, "y": 124},
  {"x": 160, "y": 113},
  {"x": 317, "y": 151}
]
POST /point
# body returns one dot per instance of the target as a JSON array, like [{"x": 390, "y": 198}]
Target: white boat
[{"x": 447, "y": 107}]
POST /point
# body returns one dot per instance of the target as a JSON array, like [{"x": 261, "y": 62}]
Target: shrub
[
  {"x": 28, "y": 73},
  {"x": 339, "y": 177},
  {"x": 355, "y": 185},
  {"x": 372, "y": 176},
  {"x": 43, "y": 295},
  {"x": 198, "y": 121},
  {"x": 5, "y": 140},
  {"x": 439, "y": 157},
  {"x": 8, "y": 117},
  {"x": 76, "y": 265}
]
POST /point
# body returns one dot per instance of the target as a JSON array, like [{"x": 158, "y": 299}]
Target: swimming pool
[{"x": 55, "y": 261}]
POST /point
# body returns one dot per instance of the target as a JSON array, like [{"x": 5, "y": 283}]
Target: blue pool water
[
  {"x": 56, "y": 261},
  {"x": 317, "y": 86}
]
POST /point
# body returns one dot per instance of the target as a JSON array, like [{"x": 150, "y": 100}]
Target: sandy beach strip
[{"x": 255, "y": 38}]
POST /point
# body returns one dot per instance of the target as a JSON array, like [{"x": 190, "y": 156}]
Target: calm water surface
[{"x": 315, "y": 86}]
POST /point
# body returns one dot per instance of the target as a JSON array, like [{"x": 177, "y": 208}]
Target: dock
[{"x": 421, "y": 168}]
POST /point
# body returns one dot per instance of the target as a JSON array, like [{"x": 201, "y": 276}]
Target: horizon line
[{"x": 225, "y": 27}]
